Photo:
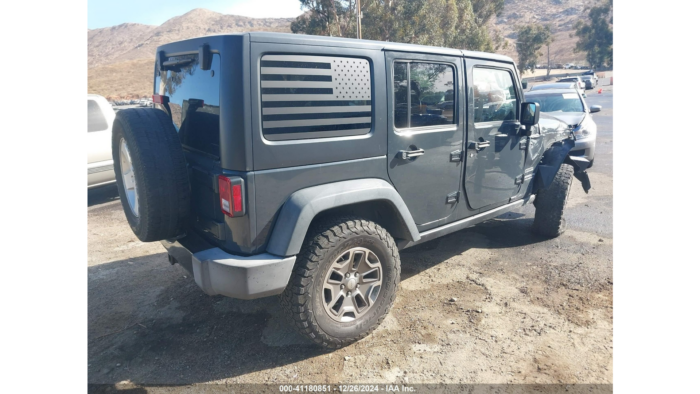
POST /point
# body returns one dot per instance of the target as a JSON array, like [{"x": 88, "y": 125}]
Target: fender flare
[
  {"x": 553, "y": 158},
  {"x": 304, "y": 205}
]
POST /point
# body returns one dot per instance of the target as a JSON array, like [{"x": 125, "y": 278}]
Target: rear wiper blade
[{"x": 175, "y": 64}]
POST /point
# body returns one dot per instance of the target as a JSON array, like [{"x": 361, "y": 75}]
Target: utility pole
[
  {"x": 359, "y": 20},
  {"x": 549, "y": 67}
]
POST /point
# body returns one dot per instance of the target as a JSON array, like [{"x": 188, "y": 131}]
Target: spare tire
[{"x": 151, "y": 173}]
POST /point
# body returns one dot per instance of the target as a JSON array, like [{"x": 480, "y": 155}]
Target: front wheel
[
  {"x": 550, "y": 203},
  {"x": 344, "y": 281}
]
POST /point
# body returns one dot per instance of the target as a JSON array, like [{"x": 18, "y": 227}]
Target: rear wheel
[
  {"x": 550, "y": 203},
  {"x": 344, "y": 282}
]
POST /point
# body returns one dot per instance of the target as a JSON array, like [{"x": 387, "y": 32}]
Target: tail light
[
  {"x": 231, "y": 196},
  {"x": 160, "y": 99}
]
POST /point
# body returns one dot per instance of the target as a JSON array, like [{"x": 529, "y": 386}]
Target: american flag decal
[{"x": 315, "y": 96}]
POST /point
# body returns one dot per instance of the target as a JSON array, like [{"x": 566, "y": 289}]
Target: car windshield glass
[{"x": 557, "y": 102}]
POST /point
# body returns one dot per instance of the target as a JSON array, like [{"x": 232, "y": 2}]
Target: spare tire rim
[
  {"x": 128, "y": 178},
  {"x": 352, "y": 284}
]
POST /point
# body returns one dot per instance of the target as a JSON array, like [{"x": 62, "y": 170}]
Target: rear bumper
[{"x": 217, "y": 272}]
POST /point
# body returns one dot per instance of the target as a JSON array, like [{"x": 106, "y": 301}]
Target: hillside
[
  {"x": 120, "y": 58},
  {"x": 561, "y": 15},
  {"x": 105, "y": 45}
]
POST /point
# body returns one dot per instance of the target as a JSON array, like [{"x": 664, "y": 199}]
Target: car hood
[{"x": 570, "y": 118}]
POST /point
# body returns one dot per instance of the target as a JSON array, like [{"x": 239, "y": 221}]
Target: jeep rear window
[
  {"x": 194, "y": 101},
  {"x": 96, "y": 121},
  {"x": 315, "y": 96}
]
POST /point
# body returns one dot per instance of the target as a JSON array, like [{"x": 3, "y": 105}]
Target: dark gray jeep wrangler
[{"x": 301, "y": 165}]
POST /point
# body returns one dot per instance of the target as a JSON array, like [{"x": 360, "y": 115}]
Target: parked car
[
  {"x": 592, "y": 74},
  {"x": 301, "y": 165},
  {"x": 589, "y": 81},
  {"x": 569, "y": 106},
  {"x": 100, "y": 118},
  {"x": 555, "y": 85},
  {"x": 579, "y": 83}
]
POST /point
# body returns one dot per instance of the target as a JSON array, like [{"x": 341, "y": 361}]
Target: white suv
[{"x": 100, "y": 119}]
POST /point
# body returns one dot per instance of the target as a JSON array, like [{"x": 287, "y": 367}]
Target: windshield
[{"x": 557, "y": 102}]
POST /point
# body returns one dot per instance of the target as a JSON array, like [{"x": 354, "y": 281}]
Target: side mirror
[
  {"x": 529, "y": 116},
  {"x": 524, "y": 83},
  {"x": 594, "y": 108}
]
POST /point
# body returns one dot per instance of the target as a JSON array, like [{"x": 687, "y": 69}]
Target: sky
[{"x": 105, "y": 13}]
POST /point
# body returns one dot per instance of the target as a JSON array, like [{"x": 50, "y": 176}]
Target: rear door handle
[
  {"x": 407, "y": 154},
  {"x": 477, "y": 146}
]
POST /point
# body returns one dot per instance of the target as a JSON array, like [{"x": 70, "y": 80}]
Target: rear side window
[
  {"x": 194, "y": 101},
  {"x": 96, "y": 120},
  {"x": 430, "y": 97},
  {"x": 494, "y": 95},
  {"x": 315, "y": 96}
]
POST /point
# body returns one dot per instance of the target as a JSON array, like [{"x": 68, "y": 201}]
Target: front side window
[
  {"x": 423, "y": 94},
  {"x": 494, "y": 95},
  {"x": 315, "y": 96},
  {"x": 96, "y": 120}
]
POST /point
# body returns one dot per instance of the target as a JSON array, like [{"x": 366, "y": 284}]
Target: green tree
[
  {"x": 595, "y": 36},
  {"x": 448, "y": 23},
  {"x": 326, "y": 18},
  {"x": 485, "y": 9},
  {"x": 530, "y": 39}
]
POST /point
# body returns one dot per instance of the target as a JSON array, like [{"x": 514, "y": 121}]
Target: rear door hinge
[
  {"x": 452, "y": 198},
  {"x": 519, "y": 180},
  {"x": 456, "y": 156}
]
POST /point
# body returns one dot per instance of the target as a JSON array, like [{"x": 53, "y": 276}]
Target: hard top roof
[{"x": 301, "y": 39}]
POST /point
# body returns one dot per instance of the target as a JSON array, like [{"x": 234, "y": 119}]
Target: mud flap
[
  {"x": 580, "y": 165},
  {"x": 553, "y": 159}
]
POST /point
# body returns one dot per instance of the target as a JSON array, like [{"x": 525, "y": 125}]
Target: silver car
[
  {"x": 100, "y": 119},
  {"x": 569, "y": 106},
  {"x": 555, "y": 85}
]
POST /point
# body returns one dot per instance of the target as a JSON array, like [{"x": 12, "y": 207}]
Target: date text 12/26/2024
[{"x": 347, "y": 389}]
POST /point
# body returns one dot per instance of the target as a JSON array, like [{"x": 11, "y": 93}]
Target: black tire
[
  {"x": 303, "y": 298},
  {"x": 550, "y": 203},
  {"x": 160, "y": 173}
]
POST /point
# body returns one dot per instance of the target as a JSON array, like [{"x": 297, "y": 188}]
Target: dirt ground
[{"x": 525, "y": 309}]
